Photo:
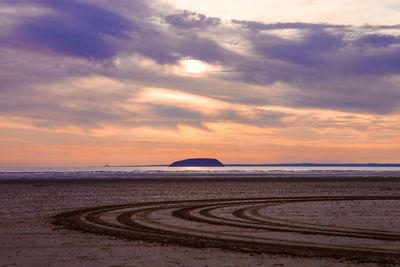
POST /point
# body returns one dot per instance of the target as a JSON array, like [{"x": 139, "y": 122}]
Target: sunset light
[
  {"x": 200, "y": 133},
  {"x": 194, "y": 66},
  {"x": 287, "y": 76}
]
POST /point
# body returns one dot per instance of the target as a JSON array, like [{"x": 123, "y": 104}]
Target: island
[{"x": 197, "y": 162}]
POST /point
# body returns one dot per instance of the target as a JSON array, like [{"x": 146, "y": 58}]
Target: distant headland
[
  {"x": 197, "y": 162},
  {"x": 210, "y": 162}
]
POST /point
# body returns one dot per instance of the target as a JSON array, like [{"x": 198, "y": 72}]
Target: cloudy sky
[{"x": 147, "y": 82}]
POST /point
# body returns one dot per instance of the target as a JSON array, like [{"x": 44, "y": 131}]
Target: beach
[{"x": 201, "y": 221}]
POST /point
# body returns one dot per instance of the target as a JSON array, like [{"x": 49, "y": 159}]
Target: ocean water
[{"x": 171, "y": 172}]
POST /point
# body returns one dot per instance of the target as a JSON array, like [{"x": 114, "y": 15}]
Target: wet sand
[{"x": 201, "y": 222}]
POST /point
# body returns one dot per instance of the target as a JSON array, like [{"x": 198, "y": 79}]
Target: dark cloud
[
  {"x": 75, "y": 29},
  {"x": 327, "y": 69},
  {"x": 327, "y": 53},
  {"x": 377, "y": 40},
  {"x": 375, "y": 63},
  {"x": 187, "y": 19},
  {"x": 335, "y": 52},
  {"x": 309, "y": 51},
  {"x": 168, "y": 49},
  {"x": 259, "y": 26},
  {"x": 325, "y": 66},
  {"x": 381, "y": 27},
  {"x": 90, "y": 31}
]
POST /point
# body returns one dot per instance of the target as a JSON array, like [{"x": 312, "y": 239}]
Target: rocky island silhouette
[{"x": 197, "y": 162}]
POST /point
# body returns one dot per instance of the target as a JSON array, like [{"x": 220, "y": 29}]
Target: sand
[{"x": 200, "y": 222}]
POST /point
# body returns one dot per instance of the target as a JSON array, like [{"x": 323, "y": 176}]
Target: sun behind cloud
[{"x": 194, "y": 66}]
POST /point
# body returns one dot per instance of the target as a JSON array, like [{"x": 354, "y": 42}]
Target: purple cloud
[
  {"x": 89, "y": 31},
  {"x": 187, "y": 19},
  {"x": 309, "y": 51},
  {"x": 377, "y": 40},
  {"x": 259, "y": 26},
  {"x": 73, "y": 28},
  {"x": 327, "y": 66}
]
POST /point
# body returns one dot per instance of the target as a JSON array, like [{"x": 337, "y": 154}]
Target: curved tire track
[{"x": 236, "y": 224}]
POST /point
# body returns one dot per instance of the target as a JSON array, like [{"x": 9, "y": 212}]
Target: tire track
[{"x": 205, "y": 223}]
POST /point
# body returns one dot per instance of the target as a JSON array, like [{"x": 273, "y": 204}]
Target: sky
[{"x": 150, "y": 82}]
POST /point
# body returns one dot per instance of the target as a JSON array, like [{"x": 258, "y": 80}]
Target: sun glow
[{"x": 194, "y": 66}]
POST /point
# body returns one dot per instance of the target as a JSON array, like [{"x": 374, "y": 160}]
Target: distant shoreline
[
  {"x": 318, "y": 165},
  {"x": 284, "y": 165}
]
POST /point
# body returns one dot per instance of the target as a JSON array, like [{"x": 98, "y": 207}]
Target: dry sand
[{"x": 196, "y": 222}]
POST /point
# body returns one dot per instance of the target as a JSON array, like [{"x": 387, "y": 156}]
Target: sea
[{"x": 105, "y": 172}]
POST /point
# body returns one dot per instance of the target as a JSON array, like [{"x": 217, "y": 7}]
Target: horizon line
[
  {"x": 269, "y": 164},
  {"x": 304, "y": 164}
]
